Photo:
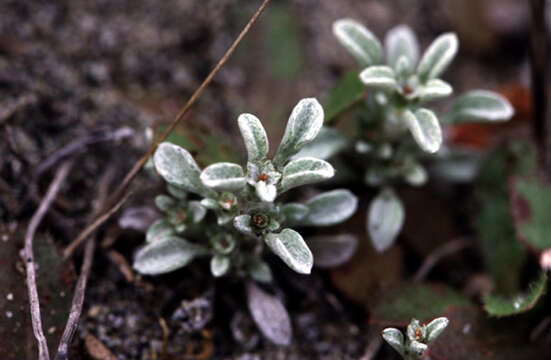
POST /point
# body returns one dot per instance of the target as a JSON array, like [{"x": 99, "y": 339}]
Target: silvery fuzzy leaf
[
  {"x": 219, "y": 265},
  {"x": 273, "y": 225},
  {"x": 435, "y": 328},
  {"x": 379, "y": 77},
  {"x": 197, "y": 211},
  {"x": 438, "y": 56},
  {"x": 403, "y": 69},
  {"x": 223, "y": 243},
  {"x": 385, "y": 219},
  {"x": 416, "y": 349},
  {"x": 412, "y": 328},
  {"x": 303, "y": 126},
  {"x": 260, "y": 271},
  {"x": 374, "y": 177},
  {"x": 224, "y": 177},
  {"x": 330, "y": 208},
  {"x": 210, "y": 204},
  {"x": 394, "y": 338},
  {"x": 177, "y": 167},
  {"x": 254, "y": 136},
  {"x": 265, "y": 192},
  {"x": 401, "y": 41},
  {"x": 416, "y": 175},
  {"x": 270, "y": 315},
  {"x": 329, "y": 142},
  {"x": 480, "y": 105},
  {"x": 292, "y": 249},
  {"x": 425, "y": 128},
  {"x": 165, "y": 255},
  {"x": 434, "y": 89},
  {"x": 294, "y": 213},
  {"x": 332, "y": 250},
  {"x": 305, "y": 171},
  {"x": 242, "y": 223},
  {"x": 359, "y": 41},
  {"x": 223, "y": 217},
  {"x": 159, "y": 230},
  {"x": 177, "y": 192},
  {"x": 363, "y": 147}
]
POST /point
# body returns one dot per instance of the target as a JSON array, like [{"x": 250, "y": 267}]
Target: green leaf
[
  {"x": 385, "y": 219},
  {"x": 177, "y": 167},
  {"x": 379, "y": 77},
  {"x": 531, "y": 205},
  {"x": 328, "y": 143},
  {"x": 260, "y": 271},
  {"x": 224, "y": 177},
  {"x": 164, "y": 202},
  {"x": 270, "y": 315},
  {"x": 435, "y": 328},
  {"x": 438, "y": 56},
  {"x": 292, "y": 249},
  {"x": 305, "y": 171},
  {"x": 159, "y": 230},
  {"x": 332, "y": 250},
  {"x": 402, "y": 302},
  {"x": 499, "y": 306},
  {"x": 254, "y": 136},
  {"x": 349, "y": 90},
  {"x": 175, "y": 191},
  {"x": 425, "y": 128},
  {"x": 394, "y": 338},
  {"x": 197, "y": 211},
  {"x": 219, "y": 265},
  {"x": 359, "y": 41},
  {"x": 303, "y": 126},
  {"x": 416, "y": 175},
  {"x": 434, "y": 89},
  {"x": 401, "y": 41},
  {"x": 330, "y": 208},
  {"x": 165, "y": 255},
  {"x": 293, "y": 213},
  {"x": 480, "y": 106},
  {"x": 417, "y": 349}
]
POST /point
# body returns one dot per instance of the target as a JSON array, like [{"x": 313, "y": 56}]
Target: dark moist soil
[{"x": 72, "y": 69}]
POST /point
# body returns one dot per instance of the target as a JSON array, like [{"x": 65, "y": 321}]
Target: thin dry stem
[{"x": 53, "y": 189}]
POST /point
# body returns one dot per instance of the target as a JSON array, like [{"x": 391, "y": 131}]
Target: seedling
[
  {"x": 231, "y": 213},
  {"x": 418, "y": 337},
  {"x": 397, "y": 130}
]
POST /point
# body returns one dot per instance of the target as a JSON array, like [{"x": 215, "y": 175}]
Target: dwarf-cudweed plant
[
  {"x": 418, "y": 337},
  {"x": 396, "y": 131},
  {"x": 236, "y": 212}
]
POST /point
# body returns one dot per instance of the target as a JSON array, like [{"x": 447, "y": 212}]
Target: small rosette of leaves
[
  {"x": 241, "y": 200},
  {"x": 418, "y": 337}
]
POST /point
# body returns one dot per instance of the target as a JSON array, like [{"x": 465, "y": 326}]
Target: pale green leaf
[
  {"x": 332, "y": 250},
  {"x": 401, "y": 41},
  {"x": 224, "y": 177},
  {"x": 197, "y": 211},
  {"x": 416, "y": 175},
  {"x": 265, "y": 192},
  {"x": 159, "y": 230},
  {"x": 177, "y": 167},
  {"x": 434, "y": 89},
  {"x": 425, "y": 128},
  {"x": 480, "y": 106},
  {"x": 270, "y": 315},
  {"x": 165, "y": 255},
  {"x": 260, "y": 271},
  {"x": 254, "y": 136},
  {"x": 438, "y": 56},
  {"x": 219, "y": 265},
  {"x": 292, "y": 249},
  {"x": 330, "y": 208},
  {"x": 379, "y": 77},
  {"x": 385, "y": 219},
  {"x": 294, "y": 213},
  {"x": 435, "y": 328},
  {"x": 164, "y": 202},
  {"x": 359, "y": 41},
  {"x": 303, "y": 126},
  {"x": 416, "y": 349},
  {"x": 243, "y": 224},
  {"x": 394, "y": 338},
  {"x": 305, "y": 171}
]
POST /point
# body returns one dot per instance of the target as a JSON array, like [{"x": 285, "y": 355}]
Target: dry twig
[
  {"x": 119, "y": 191},
  {"x": 437, "y": 254},
  {"x": 53, "y": 189}
]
